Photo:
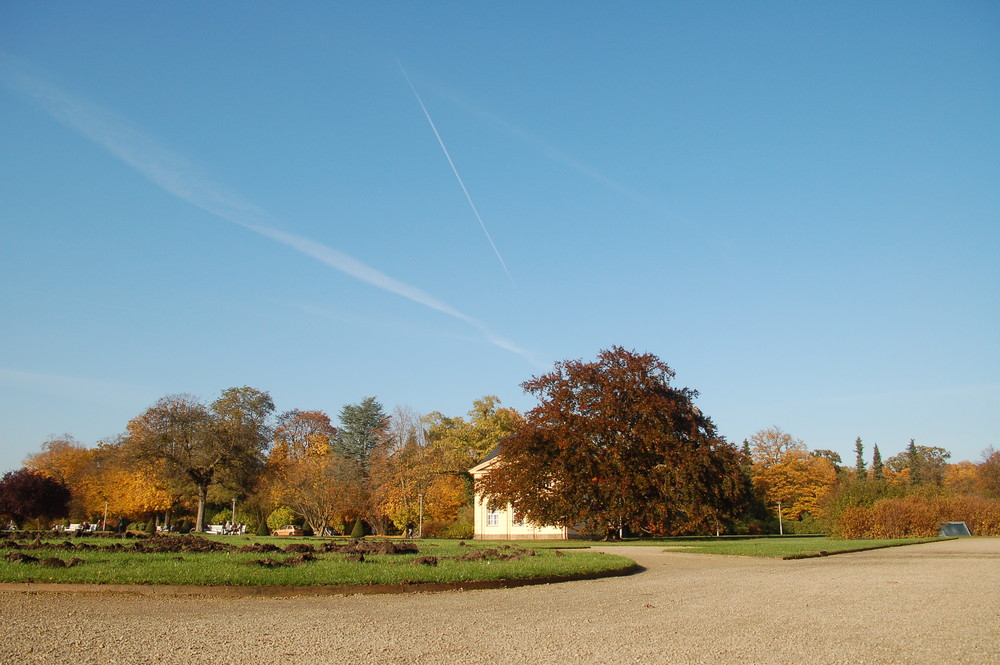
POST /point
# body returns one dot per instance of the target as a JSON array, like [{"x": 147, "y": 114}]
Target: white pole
[
  {"x": 781, "y": 527},
  {"x": 234, "y": 510},
  {"x": 105, "y": 525},
  {"x": 420, "y": 532}
]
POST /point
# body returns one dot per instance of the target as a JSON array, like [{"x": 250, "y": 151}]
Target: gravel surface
[{"x": 934, "y": 603}]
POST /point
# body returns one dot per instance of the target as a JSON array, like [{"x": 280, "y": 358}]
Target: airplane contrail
[
  {"x": 454, "y": 170},
  {"x": 565, "y": 159},
  {"x": 173, "y": 173}
]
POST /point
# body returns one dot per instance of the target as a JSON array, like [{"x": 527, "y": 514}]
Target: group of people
[{"x": 234, "y": 529}]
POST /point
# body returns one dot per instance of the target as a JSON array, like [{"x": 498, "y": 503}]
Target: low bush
[
  {"x": 804, "y": 526},
  {"x": 456, "y": 529},
  {"x": 280, "y": 517},
  {"x": 919, "y": 517},
  {"x": 221, "y": 516}
]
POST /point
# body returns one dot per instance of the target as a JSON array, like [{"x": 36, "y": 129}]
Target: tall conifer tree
[
  {"x": 860, "y": 470},
  {"x": 877, "y": 469}
]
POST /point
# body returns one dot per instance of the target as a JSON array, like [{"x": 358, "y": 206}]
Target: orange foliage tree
[
  {"x": 784, "y": 470},
  {"x": 70, "y": 462},
  {"x": 306, "y": 473}
]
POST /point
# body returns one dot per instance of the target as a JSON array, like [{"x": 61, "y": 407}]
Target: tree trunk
[{"x": 202, "y": 497}]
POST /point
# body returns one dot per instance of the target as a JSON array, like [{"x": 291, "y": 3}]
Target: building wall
[{"x": 503, "y": 526}]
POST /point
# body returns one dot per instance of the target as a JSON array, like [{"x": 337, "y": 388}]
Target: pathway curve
[{"x": 934, "y": 603}]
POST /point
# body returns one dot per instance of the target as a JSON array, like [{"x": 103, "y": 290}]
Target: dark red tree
[
  {"x": 27, "y": 494},
  {"x": 613, "y": 445}
]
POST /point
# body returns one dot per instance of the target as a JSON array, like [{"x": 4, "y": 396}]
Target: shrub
[
  {"x": 280, "y": 517},
  {"x": 805, "y": 525},
  {"x": 754, "y": 526},
  {"x": 854, "y": 522},
  {"x": 853, "y": 493},
  {"x": 919, "y": 516},
  {"x": 359, "y": 529},
  {"x": 262, "y": 529},
  {"x": 151, "y": 526},
  {"x": 221, "y": 517},
  {"x": 458, "y": 529}
]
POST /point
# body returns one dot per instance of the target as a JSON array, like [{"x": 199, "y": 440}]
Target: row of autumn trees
[
  {"x": 906, "y": 495},
  {"x": 611, "y": 448},
  {"x": 183, "y": 459}
]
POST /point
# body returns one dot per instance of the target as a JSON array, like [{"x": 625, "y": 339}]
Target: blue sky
[{"x": 795, "y": 205}]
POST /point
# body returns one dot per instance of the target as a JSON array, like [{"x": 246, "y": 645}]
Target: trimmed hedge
[{"x": 919, "y": 517}]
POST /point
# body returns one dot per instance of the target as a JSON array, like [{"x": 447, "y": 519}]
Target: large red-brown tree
[
  {"x": 613, "y": 445},
  {"x": 27, "y": 494}
]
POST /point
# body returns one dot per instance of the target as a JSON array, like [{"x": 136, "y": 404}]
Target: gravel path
[{"x": 935, "y": 603}]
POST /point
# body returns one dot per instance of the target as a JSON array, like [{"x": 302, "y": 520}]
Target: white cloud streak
[
  {"x": 454, "y": 170},
  {"x": 177, "y": 176},
  {"x": 68, "y": 386}
]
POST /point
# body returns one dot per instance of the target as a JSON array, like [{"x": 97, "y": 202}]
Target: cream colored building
[{"x": 501, "y": 524}]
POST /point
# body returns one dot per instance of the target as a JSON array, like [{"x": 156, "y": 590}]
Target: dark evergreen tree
[
  {"x": 362, "y": 430},
  {"x": 877, "y": 468},
  {"x": 913, "y": 463},
  {"x": 859, "y": 464}
]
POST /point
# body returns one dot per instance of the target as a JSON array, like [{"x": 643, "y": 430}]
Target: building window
[{"x": 493, "y": 518}]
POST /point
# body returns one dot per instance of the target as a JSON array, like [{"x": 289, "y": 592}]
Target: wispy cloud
[
  {"x": 176, "y": 175},
  {"x": 68, "y": 386}
]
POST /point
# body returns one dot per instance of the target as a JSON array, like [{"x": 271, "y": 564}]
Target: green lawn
[
  {"x": 775, "y": 547},
  {"x": 234, "y": 568}
]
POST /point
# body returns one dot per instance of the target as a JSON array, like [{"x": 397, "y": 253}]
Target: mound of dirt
[
  {"x": 20, "y": 557},
  {"x": 258, "y": 548},
  {"x": 370, "y": 547},
  {"x": 177, "y": 544},
  {"x": 268, "y": 562}
]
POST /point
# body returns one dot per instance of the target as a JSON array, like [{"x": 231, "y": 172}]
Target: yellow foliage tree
[
  {"x": 129, "y": 492},
  {"x": 784, "y": 471},
  {"x": 962, "y": 478},
  {"x": 429, "y": 458},
  {"x": 418, "y": 474}
]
